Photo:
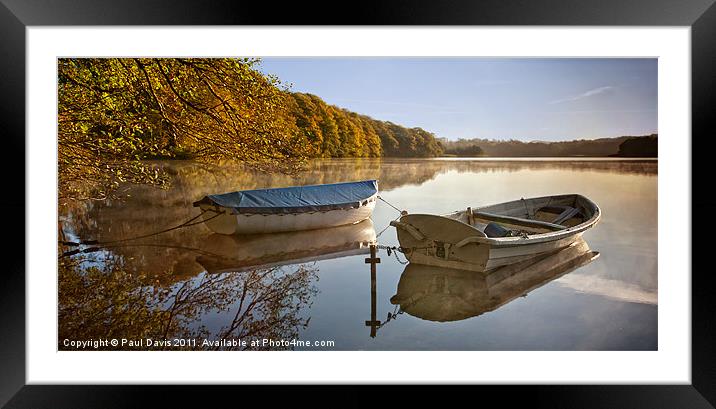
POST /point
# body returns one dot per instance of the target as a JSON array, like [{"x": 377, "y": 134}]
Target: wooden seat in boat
[
  {"x": 566, "y": 215},
  {"x": 517, "y": 220},
  {"x": 563, "y": 213},
  {"x": 475, "y": 239}
]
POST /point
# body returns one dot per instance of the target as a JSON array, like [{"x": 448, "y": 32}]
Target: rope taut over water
[
  {"x": 99, "y": 244},
  {"x": 402, "y": 212},
  {"x": 392, "y": 249}
]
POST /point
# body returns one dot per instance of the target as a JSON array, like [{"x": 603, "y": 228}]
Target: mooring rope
[
  {"x": 101, "y": 244},
  {"x": 391, "y": 316},
  {"x": 402, "y": 213},
  {"x": 393, "y": 250},
  {"x": 389, "y": 204},
  {"x": 98, "y": 245},
  {"x": 111, "y": 246},
  {"x": 381, "y": 232},
  {"x": 386, "y": 227}
]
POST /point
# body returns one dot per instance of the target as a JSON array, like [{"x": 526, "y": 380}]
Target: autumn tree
[
  {"x": 114, "y": 112},
  {"x": 372, "y": 146},
  {"x": 307, "y": 120},
  {"x": 329, "y": 128},
  {"x": 335, "y": 132},
  {"x": 390, "y": 145}
]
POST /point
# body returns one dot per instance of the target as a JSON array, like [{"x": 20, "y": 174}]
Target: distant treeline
[
  {"x": 114, "y": 113},
  {"x": 335, "y": 132},
  {"x": 464, "y": 151},
  {"x": 642, "y": 146}
]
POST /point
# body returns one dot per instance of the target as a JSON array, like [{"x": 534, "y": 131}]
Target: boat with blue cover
[{"x": 287, "y": 209}]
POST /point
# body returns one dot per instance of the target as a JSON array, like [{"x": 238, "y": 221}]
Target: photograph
[{"x": 254, "y": 203}]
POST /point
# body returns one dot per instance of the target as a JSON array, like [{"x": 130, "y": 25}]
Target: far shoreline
[{"x": 614, "y": 158}]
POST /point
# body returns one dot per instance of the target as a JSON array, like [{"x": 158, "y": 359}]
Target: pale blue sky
[{"x": 526, "y": 99}]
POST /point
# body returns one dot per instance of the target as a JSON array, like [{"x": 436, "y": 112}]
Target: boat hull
[
  {"x": 247, "y": 223},
  {"x": 454, "y": 241},
  {"x": 445, "y": 294},
  {"x": 238, "y": 253},
  {"x": 487, "y": 257}
]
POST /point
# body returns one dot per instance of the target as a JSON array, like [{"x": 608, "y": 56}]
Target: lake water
[{"x": 159, "y": 288}]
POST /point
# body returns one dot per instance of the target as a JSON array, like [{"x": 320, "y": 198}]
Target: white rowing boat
[
  {"x": 234, "y": 253},
  {"x": 489, "y": 237},
  {"x": 445, "y": 294},
  {"x": 289, "y": 208}
]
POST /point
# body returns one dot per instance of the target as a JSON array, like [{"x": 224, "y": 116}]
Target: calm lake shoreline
[{"x": 609, "y": 304}]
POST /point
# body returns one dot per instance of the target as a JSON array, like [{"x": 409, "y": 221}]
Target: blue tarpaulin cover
[{"x": 296, "y": 199}]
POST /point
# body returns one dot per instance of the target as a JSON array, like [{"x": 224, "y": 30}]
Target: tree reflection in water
[
  {"x": 107, "y": 300},
  {"x": 156, "y": 287}
]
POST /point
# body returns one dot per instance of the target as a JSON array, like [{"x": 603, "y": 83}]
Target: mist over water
[{"x": 192, "y": 283}]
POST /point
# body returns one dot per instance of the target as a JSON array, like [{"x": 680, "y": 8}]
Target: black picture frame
[{"x": 16, "y": 15}]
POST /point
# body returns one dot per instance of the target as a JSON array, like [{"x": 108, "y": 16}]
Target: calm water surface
[{"x": 191, "y": 284}]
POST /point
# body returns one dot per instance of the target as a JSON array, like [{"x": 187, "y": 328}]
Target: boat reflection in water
[
  {"x": 243, "y": 252},
  {"x": 444, "y": 294}
]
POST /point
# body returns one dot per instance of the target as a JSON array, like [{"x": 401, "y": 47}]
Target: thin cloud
[
  {"x": 590, "y": 93},
  {"x": 601, "y": 111},
  {"x": 609, "y": 288}
]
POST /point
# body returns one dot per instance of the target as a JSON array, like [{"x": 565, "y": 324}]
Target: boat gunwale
[
  {"x": 294, "y": 210},
  {"x": 532, "y": 238}
]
